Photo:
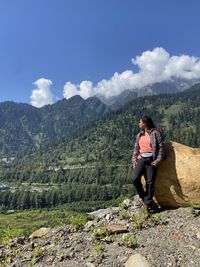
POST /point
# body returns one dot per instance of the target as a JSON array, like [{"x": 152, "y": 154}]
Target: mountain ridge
[
  {"x": 24, "y": 127},
  {"x": 174, "y": 85}
]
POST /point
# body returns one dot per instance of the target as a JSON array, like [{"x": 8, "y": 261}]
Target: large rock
[
  {"x": 137, "y": 260},
  {"x": 40, "y": 232},
  {"x": 112, "y": 229},
  {"x": 178, "y": 180}
]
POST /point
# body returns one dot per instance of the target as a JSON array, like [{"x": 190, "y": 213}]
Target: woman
[{"x": 147, "y": 155}]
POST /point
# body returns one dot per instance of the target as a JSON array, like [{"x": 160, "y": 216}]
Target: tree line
[{"x": 25, "y": 199}]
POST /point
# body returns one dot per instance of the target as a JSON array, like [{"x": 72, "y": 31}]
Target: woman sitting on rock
[{"x": 147, "y": 155}]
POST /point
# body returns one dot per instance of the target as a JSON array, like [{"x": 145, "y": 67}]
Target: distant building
[{"x": 4, "y": 187}]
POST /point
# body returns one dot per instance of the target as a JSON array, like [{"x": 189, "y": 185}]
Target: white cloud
[
  {"x": 84, "y": 89},
  {"x": 154, "y": 66},
  {"x": 42, "y": 95}
]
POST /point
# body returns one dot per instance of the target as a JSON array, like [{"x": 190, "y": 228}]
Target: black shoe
[{"x": 151, "y": 209}]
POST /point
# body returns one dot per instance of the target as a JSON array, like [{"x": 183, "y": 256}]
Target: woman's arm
[
  {"x": 135, "y": 150},
  {"x": 160, "y": 155}
]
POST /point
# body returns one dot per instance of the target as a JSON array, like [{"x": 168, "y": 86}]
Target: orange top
[{"x": 145, "y": 144}]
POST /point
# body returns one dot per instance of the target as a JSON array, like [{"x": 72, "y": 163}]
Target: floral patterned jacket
[{"x": 157, "y": 145}]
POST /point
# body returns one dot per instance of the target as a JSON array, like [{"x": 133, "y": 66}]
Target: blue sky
[{"x": 87, "y": 40}]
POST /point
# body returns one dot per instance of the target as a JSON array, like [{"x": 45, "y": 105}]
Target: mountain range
[
  {"x": 174, "y": 85},
  {"x": 25, "y": 128}
]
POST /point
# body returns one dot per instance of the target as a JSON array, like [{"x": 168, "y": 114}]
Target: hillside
[
  {"x": 26, "y": 128},
  {"x": 111, "y": 139},
  {"x": 116, "y": 236}
]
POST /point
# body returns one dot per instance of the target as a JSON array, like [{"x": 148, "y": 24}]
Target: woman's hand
[
  {"x": 134, "y": 162},
  {"x": 154, "y": 164}
]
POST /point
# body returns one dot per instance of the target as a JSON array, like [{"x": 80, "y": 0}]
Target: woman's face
[{"x": 141, "y": 125}]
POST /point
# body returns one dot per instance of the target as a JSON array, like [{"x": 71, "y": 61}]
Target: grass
[
  {"x": 154, "y": 218},
  {"x": 9, "y": 233},
  {"x": 192, "y": 205},
  {"x": 138, "y": 220},
  {"x": 37, "y": 251},
  {"x": 98, "y": 247},
  {"x": 25, "y": 222},
  {"x": 72, "y": 160},
  {"x": 78, "y": 220},
  {"x": 130, "y": 240},
  {"x": 173, "y": 109}
]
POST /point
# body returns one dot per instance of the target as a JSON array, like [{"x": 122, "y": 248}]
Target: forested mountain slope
[{"x": 26, "y": 128}]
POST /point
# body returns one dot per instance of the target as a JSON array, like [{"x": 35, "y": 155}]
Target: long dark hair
[{"x": 148, "y": 121}]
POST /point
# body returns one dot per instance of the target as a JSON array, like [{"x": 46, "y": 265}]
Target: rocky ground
[{"x": 118, "y": 236}]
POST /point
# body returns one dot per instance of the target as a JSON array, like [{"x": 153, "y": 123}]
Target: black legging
[{"x": 143, "y": 167}]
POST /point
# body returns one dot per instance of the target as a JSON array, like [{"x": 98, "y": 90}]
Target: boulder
[
  {"x": 40, "y": 232},
  {"x": 112, "y": 229},
  {"x": 178, "y": 179},
  {"x": 137, "y": 260}
]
